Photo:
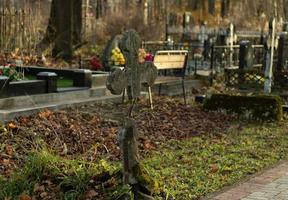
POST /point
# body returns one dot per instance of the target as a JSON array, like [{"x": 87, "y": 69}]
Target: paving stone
[{"x": 271, "y": 185}]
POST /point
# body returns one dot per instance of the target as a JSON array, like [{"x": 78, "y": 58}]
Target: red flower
[{"x": 96, "y": 63}]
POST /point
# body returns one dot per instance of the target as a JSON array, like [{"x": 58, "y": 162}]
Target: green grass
[
  {"x": 72, "y": 176},
  {"x": 185, "y": 169},
  {"x": 201, "y": 165},
  {"x": 62, "y": 82}
]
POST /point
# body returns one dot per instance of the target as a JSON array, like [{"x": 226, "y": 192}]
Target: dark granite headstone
[
  {"x": 246, "y": 55},
  {"x": 4, "y": 85},
  {"x": 285, "y": 27},
  {"x": 82, "y": 78},
  {"x": 283, "y": 52},
  {"x": 51, "y": 80}
]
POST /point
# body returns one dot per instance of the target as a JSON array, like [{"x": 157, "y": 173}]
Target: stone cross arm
[
  {"x": 117, "y": 81},
  {"x": 134, "y": 73}
]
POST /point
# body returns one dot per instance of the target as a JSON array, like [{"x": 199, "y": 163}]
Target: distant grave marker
[
  {"x": 245, "y": 55},
  {"x": 230, "y": 41},
  {"x": 283, "y": 52},
  {"x": 112, "y": 44},
  {"x": 271, "y": 45}
]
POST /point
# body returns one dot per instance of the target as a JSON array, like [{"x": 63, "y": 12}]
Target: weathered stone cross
[
  {"x": 132, "y": 77},
  {"x": 134, "y": 73}
]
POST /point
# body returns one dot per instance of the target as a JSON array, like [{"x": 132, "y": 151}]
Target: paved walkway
[{"x": 271, "y": 185}]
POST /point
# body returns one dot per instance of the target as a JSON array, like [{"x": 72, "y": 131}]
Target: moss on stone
[
  {"x": 144, "y": 178},
  {"x": 260, "y": 107}
]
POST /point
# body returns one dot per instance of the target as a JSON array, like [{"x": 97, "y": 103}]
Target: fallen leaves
[
  {"x": 38, "y": 188},
  {"x": 12, "y": 126},
  {"x": 147, "y": 145},
  {"x": 90, "y": 194},
  {"x": 7, "y": 163},
  {"x": 25, "y": 197},
  {"x": 84, "y": 131},
  {"x": 9, "y": 150},
  {"x": 189, "y": 144},
  {"x": 43, "y": 195},
  {"x": 47, "y": 114},
  {"x": 214, "y": 169}
]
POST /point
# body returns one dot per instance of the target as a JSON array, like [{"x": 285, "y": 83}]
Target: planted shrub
[{"x": 259, "y": 107}]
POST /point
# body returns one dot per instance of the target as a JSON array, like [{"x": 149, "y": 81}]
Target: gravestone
[
  {"x": 128, "y": 144},
  {"x": 271, "y": 45},
  {"x": 283, "y": 52},
  {"x": 207, "y": 49},
  {"x": 203, "y": 38},
  {"x": 211, "y": 7},
  {"x": 245, "y": 59},
  {"x": 231, "y": 38},
  {"x": 285, "y": 27},
  {"x": 245, "y": 55},
  {"x": 4, "y": 85},
  {"x": 112, "y": 44},
  {"x": 118, "y": 80},
  {"x": 82, "y": 78},
  {"x": 129, "y": 46},
  {"x": 51, "y": 81},
  {"x": 187, "y": 18},
  {"x": 203, "y": 35},
  {"x": 134, "y": 73},
  {"x": 132, "y": 76}
]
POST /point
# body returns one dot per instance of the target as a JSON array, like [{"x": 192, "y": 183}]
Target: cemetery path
[{"x": 270, "y": 185}]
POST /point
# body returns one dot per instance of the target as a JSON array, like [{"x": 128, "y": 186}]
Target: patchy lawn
[
  {"x": 73, "y": 154},
  {"x": 200, "y": 165}
]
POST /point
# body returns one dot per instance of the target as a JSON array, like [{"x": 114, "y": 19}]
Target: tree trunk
[
  {"x": 211, "y": 7},
  {"x": 77, "y": 22},
  {"x": 64, "y": 28},
  {"x": 285, "y": 6},
  {"x": 100, "y": 9},
  {"x": 224, "y": 7}
]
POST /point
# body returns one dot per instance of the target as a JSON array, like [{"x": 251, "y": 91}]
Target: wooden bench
[{"x": 171, "y": 66}]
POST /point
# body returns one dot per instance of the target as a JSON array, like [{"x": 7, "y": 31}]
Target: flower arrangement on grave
[
  {"x": 144, "y": 56},
  {"x": 11, "y": 72},
  {"x": 149, "y": 57},
  {"x": 95, "y": 63},
  {"x": 117, "y": 58}
]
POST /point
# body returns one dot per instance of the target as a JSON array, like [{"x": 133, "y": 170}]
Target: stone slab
[
  {"x": 29, "y": 104},
  {"x": 32, "y": 100},
  {"x": 271, "y": 184},
  {"x": 99, "y": 80},
  {"x": 7, "y": 115},
  {"x": 25, "y": 105}
]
